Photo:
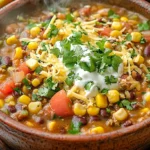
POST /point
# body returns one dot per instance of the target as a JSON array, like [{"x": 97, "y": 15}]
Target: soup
[{"x": 82, "y": 70}]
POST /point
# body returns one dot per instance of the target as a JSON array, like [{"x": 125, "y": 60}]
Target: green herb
[
  {"x": 88, "y": 85},
  {"x": 76, "y": 38},
  {"x": 38, "y": 69},
  {"x": 51, "y": 84},
  {"x": 53, "y": 31},
  {"x": 108, "y": 110},
  {"x": 24, "y": 43},
  {"x": 133, "y": 53},
  {"x": 116, "y": 60},
  {"x": 127, "y": 104},
  {"x": 43, "y": 46},
  {"x": 45, "y": 92},
  {"x": 26, "y": 83},
  {"x": 100, "y": 44},
  {"x": 142, "y": 41},
  {"x": 69, "y": 18},
  {"x": 75, "y": 127},
  {"x": 110, "y": 79},
  {"x": 31, "y": 25},
  {"x": 128, "y": 37},
  {"x": 112, "y": 14},
  {"x": 104, "y": 91},
  {"x": 46, "y": 23},
  {"x": 144, "y": 26},
  {"x": 18, "y": 90},
  {"x": 36, "y": 97},
  {"x": 148, "y": 76},
  {"x": 55, "y": 51},
  {"x": 70, "y": 79}
]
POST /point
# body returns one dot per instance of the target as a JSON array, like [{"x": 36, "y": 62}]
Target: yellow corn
[
  {"x": 51, "y": 125},
  {"x": 29, "y": 124},
  {"x": 145, "y": 110},
  {"x": 147, "y": 97},
  {"x": 35, "y": 31},
  {"x": 58, "y": 23},
  {"x": 79, "y": 109},
  {"x": 116, "y": 19},
  {"x": 18, "y": 53},
  {"x": 9, "y": 98},
  {"x": 1, "y": 103},
  {"x": 34, "y": 107},
  {"x": 97, "y": 130},
  {"x": 76, "y": 13},
  {"x": 35, "y": 82},
  {"x": 25, "y": 90},
  {"x": 115, "y": 33},
  {"x": 120, "y": 114},
  {"x": 33, "y": 45},
  {"x": 136, "y": 36},
  {"x": 124, "y": 19},
  {"x": 138, "y": 59},
  {"x": 32, "y": 64},
  {"x": 24, "y": 99},
  {"x": 101, "y": 101},
  {"x": 107, "y": 45},
  {"x": 116, "y": 25},
  {"x": 12, "y": 40},
  {"x": 12, "y": 103},
  {"x": 113, "y": 96},
  {"x": 93, "y": 111}
]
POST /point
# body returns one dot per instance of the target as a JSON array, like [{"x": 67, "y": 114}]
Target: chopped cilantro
[
  {"x": 148, "y": 76},
  {"x": 45, "y": 92},
  {"x": 108, "y": 110},
  {"x": 43, "y": 46},
  {"x": 112, "y": 14},
  {"x": 26, "y": 83},
  {"x": 128, "y": 37},
  {"x": 18, "y": 90},
  {"x": 75, "y": 127},
  {"x": 88, "y": 85},
  {"x": 36, "y": 97},
  {"x": 51, "y": 84},
  {"x": 45, "y": 24},
  {"x": 38, "y": 69},
  {"x": 31, "y": 25},
  {"x": 53, "y": 31},
  {"x": 76, "y": 38},
  {"x": 144, "y": 26},
  {"x": 116, "y": 60},
  {"x": 127, "y": 104},
  {"x": 24, "y": 43},
  {"x": 69, "y": 81},
  {"x": 104, "y": 91},
  {"x": 69, "y": 18},
  {"x": 110, "y": 79},
  {"x": 100, "y": 44},
  {"x": 55, "y": 51},
  {"x": 142, "y": 41},
  {"x": 133, "y": 53}
]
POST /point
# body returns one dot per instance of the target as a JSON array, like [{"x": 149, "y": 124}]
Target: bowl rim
[{"x": 67, "y": 137}]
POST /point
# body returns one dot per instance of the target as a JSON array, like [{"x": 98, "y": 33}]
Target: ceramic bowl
[{"x": 20, "y": 137}]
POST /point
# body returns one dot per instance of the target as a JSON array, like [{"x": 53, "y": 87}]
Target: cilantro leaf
[
  {"x": 36, "y": 97},
  {"x": 43, "y": 46},
  {"x": 110, "y": 79},
  {"x": 125, "y": 103},
  {"x": 104, "y": 91},
  {"x": 100, "y": 44},
  {"x": 26, "y": 83},
  {"x": 18, "y": 90},
  {"x": 148, "y": 76},
  {"x": 53, "y": 31},
  {"x": 75, "y": 127},
  {"x": 116, "y": 60},
  {"x": 144, "y": 26},
  {"x": 24, "y": 43},
  {"x": 133, "y": 53},
  {"x": 76, "y": 38},
  {"x": 142, "y": 41},
  {"x": 31, "y": 25},
  {"x": 38, "y": 69},
  {"x": 88, "y": 85},
  {"x": 50, "y": 84},
  {"x": 69, "y": 18},
  {"x": 112, "y": 14},
  {"x": 128, "y": 37},
  {"x": 69, "y": 81},
  {"x": 45, "y": 92}
]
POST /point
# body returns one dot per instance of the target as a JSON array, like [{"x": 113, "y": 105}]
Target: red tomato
[
  {"x": 85, "y": 11},
  {"x": 1, "y": 95},
  {"x": 23, "y": 67},
  {"x": 61, "y": 104},
  {"x": 7, "y": 87},
  {"x": 105, "y": 32}
]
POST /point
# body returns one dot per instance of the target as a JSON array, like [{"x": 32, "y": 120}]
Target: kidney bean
[
  {"x": 136, "y": 76},
  {"x": 104, "y": 113},
  {"x": 6, "y": 61},
  {"x": 127, "y": 123},
  {"x": 94, "y": 118},
  {"x": 19, "y": 106},
  {"x": 39, "y": 120},
  {"x": 11, "y": 108},
  {"x": 132, "y": 95},
  {"x": 83, "y": 119},
  {"x": 147, "y": 51}
]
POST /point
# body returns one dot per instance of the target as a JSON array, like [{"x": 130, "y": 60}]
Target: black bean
[
  {"x": 6, "y": 61},
  {"x": 11, "y": 108},
  {"x": 132, "y": 95},
  {"x": 127, "y": 123},
  {"x": 104, "y": 113},
  {"x": 94, "y": 118},
  {"x": 83, "y": 119},
  {"x": 147, "y": 51}
]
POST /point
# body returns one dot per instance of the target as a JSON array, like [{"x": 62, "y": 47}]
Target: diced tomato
[
  {"x": 1, "y": 95},
  {"x": 23, "y": 67},
  {"x": 105, "y": 32},
  {"x": 61, "y": 104},
  {"x": 146, "y": 35},
  {"x": 85, "y": 11},
  {"x": 7, "y": 87}
]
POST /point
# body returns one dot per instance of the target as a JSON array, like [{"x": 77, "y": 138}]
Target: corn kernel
[
  {"x": 51, "y": 125},
  {"x": 12, "y": 40},
  {"x": 34, "y": 107},
  {"x": 35, "y": 31},
  {"x": 113, "y": 96},
  {"x": 115, "y": 33},
  {"x": 120, "y": 114},
  {"x": 107, "y": 45},
  {"x": 35, "y": 82},
  {"x": 124, "y": 19},
  {"x": 138, "y": 59},
  {"x": 116, "y": 19},
  {"x": 101, "y": 101},
  {"x": 93, "y": 111},
  {"x": 147, "y": 97},
  {"x": 97, "y": 130},
  {"x": 33, "y": 45},
  {"x": 24, "y": 99},
  {"x": 29, "y": 124},
  {"x": 79, "y": 109},
  {"x": 76, "y": 13},
  {"x": 145, "y": 110},
  {"x": 18, "y": 53},
  {"x": 12, "y": 103},
  {"x": 116, "y": 25},
  {"x": 59, "y": 23},
  {"x": 1, "y": 103},
  {"x": 9, "y": 98},
  {"x": 25, "y": 90},
  {"x": 136, "y": 36},
  {"x": 32, "y": 64}
]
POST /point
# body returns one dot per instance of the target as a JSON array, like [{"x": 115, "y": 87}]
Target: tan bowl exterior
[{"x": 20, "y": 137}]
